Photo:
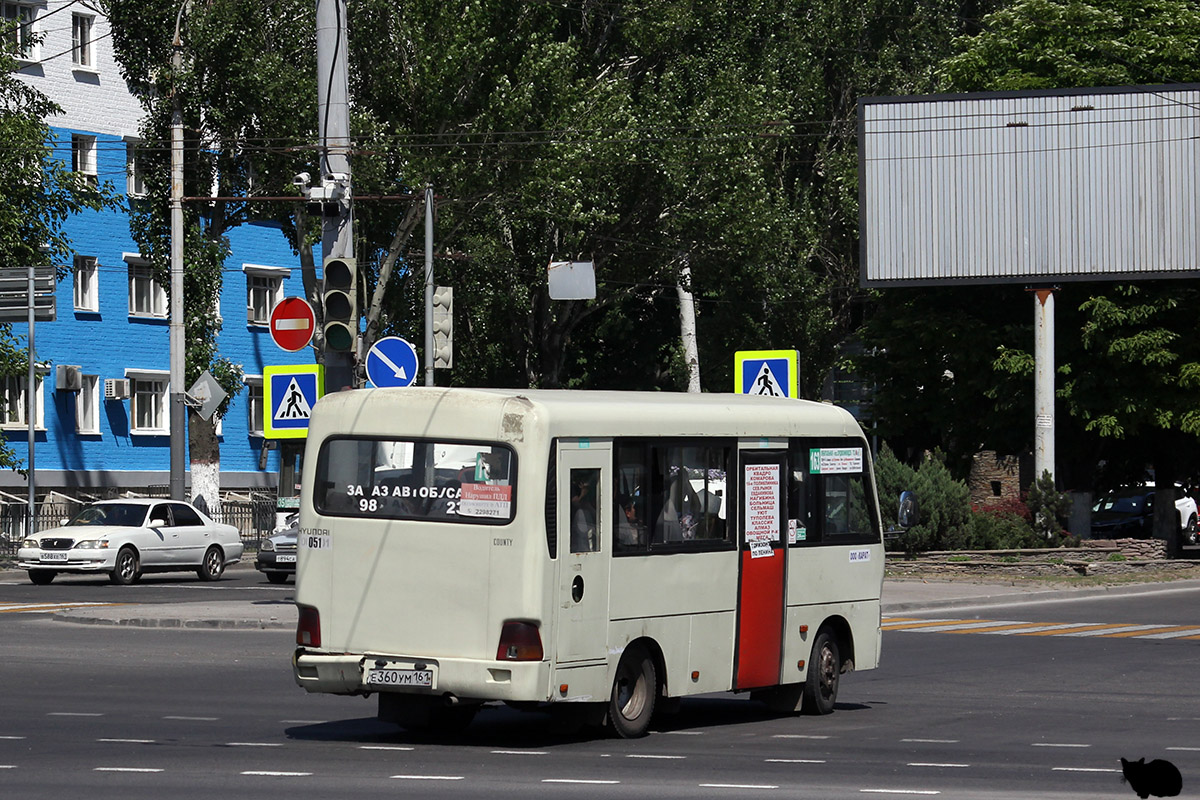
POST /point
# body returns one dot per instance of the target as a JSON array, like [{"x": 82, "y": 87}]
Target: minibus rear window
[{"x": 471, "y": 482}]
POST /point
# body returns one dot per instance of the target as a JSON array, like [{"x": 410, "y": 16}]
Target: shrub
[
  {"x": 943, "y": 502},
  {"x": 1048, "y": 506},
  {"x": 997, "y": 531}
]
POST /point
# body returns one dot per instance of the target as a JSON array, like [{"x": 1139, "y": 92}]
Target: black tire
[
  {"x": 1189, "y": 530},
  {"x": 634, "y": 692},
  {"x": 127, "y": 569},
  {"x": 821, "y": 682},
  {"x": 41, "y": 577},
  {"x": 277, "y": 577},
  {"x": 212, "y": 565}
]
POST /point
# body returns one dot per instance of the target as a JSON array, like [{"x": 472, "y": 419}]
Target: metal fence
[{"x": 254, "y": 518}]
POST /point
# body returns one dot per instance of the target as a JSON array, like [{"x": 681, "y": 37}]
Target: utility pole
[
  {"x": 333, "y": 126},
  {"x": 1043, "y": 381},
  {"x": 429, "y": 355},
  {"x": 177, "y": 411}
]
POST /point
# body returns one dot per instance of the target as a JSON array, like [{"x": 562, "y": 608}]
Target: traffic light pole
[{"x": 333, "y": 125}]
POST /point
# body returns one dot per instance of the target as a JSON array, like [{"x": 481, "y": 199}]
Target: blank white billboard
[{"x": 1033, "y": 187}]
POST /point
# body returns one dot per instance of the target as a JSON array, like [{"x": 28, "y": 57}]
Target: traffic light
[
  {"x": 443, "y": 327},
  {"x": 340, "y": 298}
]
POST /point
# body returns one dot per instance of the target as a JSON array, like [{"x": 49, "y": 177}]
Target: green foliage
[
  {"x": 1048, "y": 506},
  {"x": 1116, "y": 557}
]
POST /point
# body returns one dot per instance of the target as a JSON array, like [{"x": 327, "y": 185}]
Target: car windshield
[
  {"x": 1120, "y": 503},
  {"x": 129, "y": 514}
]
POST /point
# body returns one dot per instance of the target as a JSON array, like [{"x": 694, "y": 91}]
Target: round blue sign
[{"x": 392, "y": 361}]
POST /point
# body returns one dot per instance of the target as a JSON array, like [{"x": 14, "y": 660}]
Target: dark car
[
  {"x": 1129, "y": 514},
  {"x": 277, "y": 553}
]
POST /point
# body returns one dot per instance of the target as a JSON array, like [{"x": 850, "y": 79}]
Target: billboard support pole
[{"x": 1043, "y": 382}]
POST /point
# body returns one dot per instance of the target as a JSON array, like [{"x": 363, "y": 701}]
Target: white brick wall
[{"x": 94, "y": 100}]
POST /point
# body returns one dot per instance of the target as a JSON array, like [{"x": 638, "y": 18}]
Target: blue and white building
[{"x": 112, "y": 317}]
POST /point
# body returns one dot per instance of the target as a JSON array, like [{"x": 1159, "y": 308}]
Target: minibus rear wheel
[
  {"x": 824, "y": 669},
  {"x": 635, "y": 688}
]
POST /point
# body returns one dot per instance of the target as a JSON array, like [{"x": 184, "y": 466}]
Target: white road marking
[
  {"x": 253, "y": 744},
  {"x": 383, "y": 747},
  {"x": 127, "y": 741},
  {"x": 737, "y": 786},
  {"x": 899, "y": 791},
  {"x": 931, "y": 741},
  {"x": 126, "y": 769},
  {"x": 273, "y": 774},
  {"x": 73, "y": 714},
  {"x": 303, "y": 721},
  {"x": 1106, "y": 631},
  {"x": 13, "y": 738},
  {"x": 1188, "y": 749},
  {"x": 794, "y": 761},
  {"x": 579, "y": 780},
  {"x": 8, "y": 766},
  {"x": 428, "y": 777},
  {"x": 665, "y": 758},
  {"x": 680, "y": 733},
  {"x": 797, "y": 736},
  {"x": 194, "y": 719},
  {"x": 924, "y": 764},
  {"x": 1083, "y": 769},
  {"x": 519, "y": 752},
  {"x": 1057, "y": 744}
]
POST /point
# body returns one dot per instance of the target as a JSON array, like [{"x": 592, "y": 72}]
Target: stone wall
[
  {"x": 1093, "y": 557},
  {"x": 994, "y": 478}
]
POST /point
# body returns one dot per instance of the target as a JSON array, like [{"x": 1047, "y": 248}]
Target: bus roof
[{"x": 512, "y": 414}]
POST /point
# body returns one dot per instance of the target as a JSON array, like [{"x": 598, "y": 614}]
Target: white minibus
[{"x": 598, "y": 554}]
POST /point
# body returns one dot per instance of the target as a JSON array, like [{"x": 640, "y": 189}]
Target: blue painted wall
[{"x": 108, "y": 342}]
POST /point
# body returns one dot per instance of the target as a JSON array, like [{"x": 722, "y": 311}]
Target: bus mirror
[{"x": 908, "y": 514}]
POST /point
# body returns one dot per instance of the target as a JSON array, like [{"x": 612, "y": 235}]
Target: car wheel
[
  {"x": 212, "y": 565},
  {"x": 1189, "y": 531},
  {"x": 277, "y": 577},
  {"x": 821, "y": 683},
  {"x": 41, "y": 577},
  {"x": 126, "y": 569},
  {"x": 635, "y": 688}
]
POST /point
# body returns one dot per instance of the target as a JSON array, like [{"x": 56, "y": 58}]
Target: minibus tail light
[
  {"x": 519, "y": 641},
  {"x": 308, "y": 627}
]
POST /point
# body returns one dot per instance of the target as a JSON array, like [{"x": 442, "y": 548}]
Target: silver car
[
  {"x": 127, "y": 538},
  {"x": 277, "y": 553}
]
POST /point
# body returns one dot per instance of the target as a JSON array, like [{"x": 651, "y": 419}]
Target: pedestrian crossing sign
[
  {"x": 289, "y": 394},
  {"x": 772, "y": 373}
]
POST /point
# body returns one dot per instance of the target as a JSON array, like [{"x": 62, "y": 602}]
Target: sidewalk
[{"x": 900, "y": 595}]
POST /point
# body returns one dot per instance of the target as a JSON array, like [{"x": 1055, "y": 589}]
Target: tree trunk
[
  {"x": 1166, "y": 519},
  {"x": 205, "y": 453},
  {"x": 687, "y": 323}
]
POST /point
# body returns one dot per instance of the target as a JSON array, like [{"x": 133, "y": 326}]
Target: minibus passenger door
[
  {"x": 762, "y": 551},
  {"x": 584, "y": 546}
]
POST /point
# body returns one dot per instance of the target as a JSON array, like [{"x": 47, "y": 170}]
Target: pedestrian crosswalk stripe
[{"x": 1110, "y": 630}]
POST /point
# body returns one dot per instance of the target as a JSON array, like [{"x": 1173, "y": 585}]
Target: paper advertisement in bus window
[
  {"x": 485, "y": 500},
  {"x": 762, "y": 508},
  {"x": 835, "y": 460}
]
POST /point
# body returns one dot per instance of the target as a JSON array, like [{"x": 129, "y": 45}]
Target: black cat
[{"x": 1159, "y": 778}]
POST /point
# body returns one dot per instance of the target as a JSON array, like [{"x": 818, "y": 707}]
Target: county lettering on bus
[{"x": 586, "y": 554}]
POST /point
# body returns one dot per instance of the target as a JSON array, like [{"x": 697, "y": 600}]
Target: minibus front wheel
[{"x": 635, "y": 689}]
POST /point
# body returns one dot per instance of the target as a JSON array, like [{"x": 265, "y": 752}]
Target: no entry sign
[{"x": 292, "y": 323}]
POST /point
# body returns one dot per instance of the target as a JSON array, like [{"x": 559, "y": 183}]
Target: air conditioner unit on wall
[
  {"x": 68, "y": 378},
  {"x": 116, "y": 388}
]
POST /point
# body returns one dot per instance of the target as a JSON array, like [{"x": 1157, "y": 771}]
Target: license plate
[
  {"x": 54, "y": 556},
  {"x": 400, "y": 677},
  {"x": 288, "y": 559}
]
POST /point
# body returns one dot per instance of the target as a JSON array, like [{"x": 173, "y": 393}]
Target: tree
[
  {"x": 241, "y": 123},
  {"x": 38, "y": 194}
]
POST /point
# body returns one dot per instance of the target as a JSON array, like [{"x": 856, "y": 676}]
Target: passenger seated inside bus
[
  {"x": 681, "y": 512},
  {"x": 630, "y": 529},
  {"x": 584, "y": 536}
]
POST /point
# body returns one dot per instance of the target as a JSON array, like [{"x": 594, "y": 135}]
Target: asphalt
[{"x": 900, "y": 595}]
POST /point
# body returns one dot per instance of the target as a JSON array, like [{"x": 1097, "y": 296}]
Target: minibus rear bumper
[{"x": 465, "y": 679}]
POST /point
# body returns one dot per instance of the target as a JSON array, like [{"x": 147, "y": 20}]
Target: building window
[
  {"x": 262, "y": 293},
  {"x": 146, "y": 297},
  {"x": 86, "y": 289},
  {"x": 148, "y": 401},
  {"x": 13, "y": 413},
  {"x": 18, "y": 29},
  {"x": 87, "y": 404},
  {"x": 135, "y": 185},
  {"x": 81, "y": 40},
  {"x": 83, "y": 157},
  {"x": 254, "y": 404},
  {"x": 264, "y": 289}
]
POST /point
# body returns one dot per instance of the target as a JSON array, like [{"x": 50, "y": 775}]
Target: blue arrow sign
[{"x": 392, "y": 361}]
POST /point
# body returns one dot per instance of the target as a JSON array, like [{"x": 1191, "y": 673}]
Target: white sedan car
[{"x": 126, "y": 538}]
